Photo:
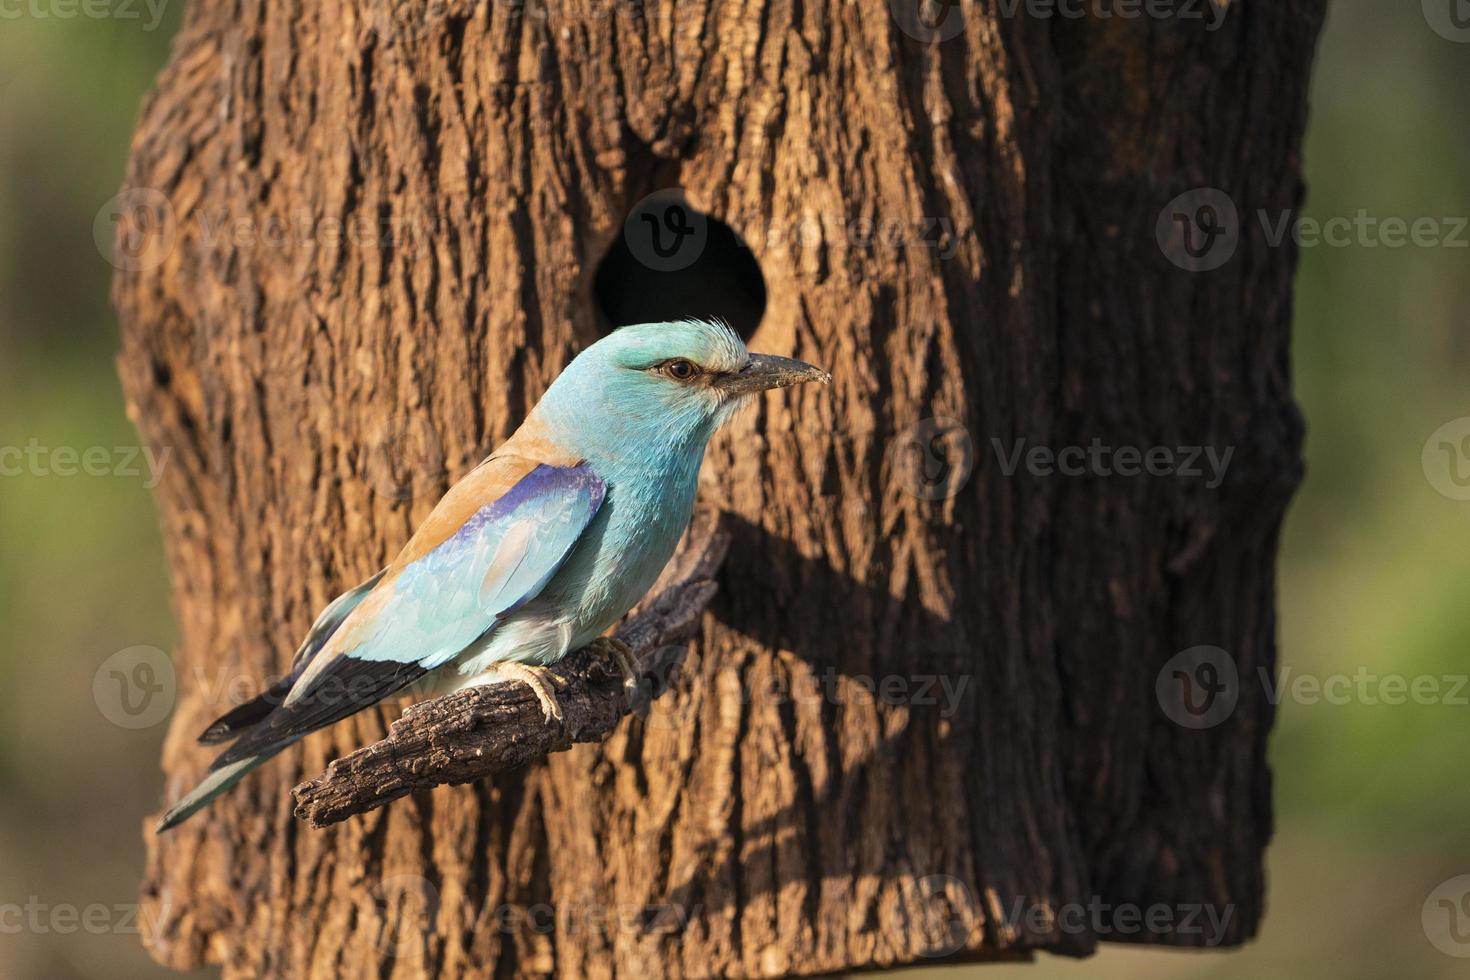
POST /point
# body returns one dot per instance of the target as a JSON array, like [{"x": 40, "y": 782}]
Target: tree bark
[{"x": 381, "y": 231}]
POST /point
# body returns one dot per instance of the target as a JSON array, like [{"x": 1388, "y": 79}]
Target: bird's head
[{"x": 663, "y": 384}]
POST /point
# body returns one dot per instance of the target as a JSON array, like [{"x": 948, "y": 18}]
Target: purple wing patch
[{"x": 545, "y": 481}]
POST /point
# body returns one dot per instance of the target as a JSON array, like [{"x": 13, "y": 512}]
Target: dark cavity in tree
[{"x": 672, "y": 261}]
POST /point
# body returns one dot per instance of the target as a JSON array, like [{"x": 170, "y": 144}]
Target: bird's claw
[
  {"x": 622, "y": 654},
  {"x": 536, "y": 679}
]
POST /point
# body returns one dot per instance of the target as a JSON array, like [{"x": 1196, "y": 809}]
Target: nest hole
[{"x": 673, "y": 261}]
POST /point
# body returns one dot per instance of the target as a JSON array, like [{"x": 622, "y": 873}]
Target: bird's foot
[
  {"x": 536, "y": 679},
  {"x": 622, "y": 654}
]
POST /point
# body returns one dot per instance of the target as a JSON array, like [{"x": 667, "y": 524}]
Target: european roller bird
[{"x": 534, "y": 553}]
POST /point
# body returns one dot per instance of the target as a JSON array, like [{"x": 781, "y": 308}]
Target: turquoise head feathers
[{"x": 659, "y": 388}]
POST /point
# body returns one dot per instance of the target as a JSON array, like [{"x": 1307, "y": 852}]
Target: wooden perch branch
[{"x": 483, "y": 730}]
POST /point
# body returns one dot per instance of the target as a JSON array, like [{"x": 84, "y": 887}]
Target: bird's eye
[{"x": 680, "y": 370}]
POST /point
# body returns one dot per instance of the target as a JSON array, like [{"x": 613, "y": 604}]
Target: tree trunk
[{"x": 382, "y": 231}]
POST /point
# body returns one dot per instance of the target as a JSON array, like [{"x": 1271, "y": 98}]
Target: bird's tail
[{"x": 209, "y": 787}]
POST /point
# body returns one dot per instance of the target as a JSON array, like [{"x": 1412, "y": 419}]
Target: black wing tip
[
  {"x": 346, "y": 687},
  {"x": 216, "y": 733},
  {"x": 233, "y": 723}
]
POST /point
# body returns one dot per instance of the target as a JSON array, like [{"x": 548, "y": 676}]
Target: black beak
[{"x": 766, "y": 371}]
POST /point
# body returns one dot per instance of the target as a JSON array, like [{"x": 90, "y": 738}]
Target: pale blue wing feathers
[
  {"x": 331, "y": 617},
  {"x": 502, "y": 556}
]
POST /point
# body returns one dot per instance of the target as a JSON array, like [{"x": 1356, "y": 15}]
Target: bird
[{"x": 534, "y": 553}]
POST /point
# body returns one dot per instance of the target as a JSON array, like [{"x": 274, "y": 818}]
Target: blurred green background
[{"x": 1374, "y": 799}]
